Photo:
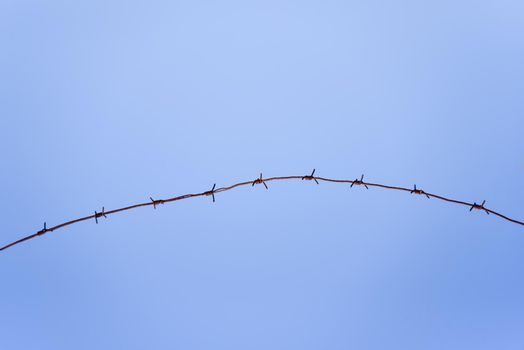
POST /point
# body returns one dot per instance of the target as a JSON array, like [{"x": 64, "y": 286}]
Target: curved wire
[{"x": 260, "y": 180}]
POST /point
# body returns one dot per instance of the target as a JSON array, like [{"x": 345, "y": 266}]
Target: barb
[
  {"x": 359, "y": 182},
  {"x": 156, "y": 202},
  {"x": 479, "y": 207},
  {"x": 97, "y": 215},
  {"x": 260, "y": 180},
  {"x": 310, "y": 177},
  {"x": 211, "y": 192},
  {"x": 415, "y": 191},
  {"x": 44, "y": 230}
]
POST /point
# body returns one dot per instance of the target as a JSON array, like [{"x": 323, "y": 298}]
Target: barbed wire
[{"x": 260, "y": 180}]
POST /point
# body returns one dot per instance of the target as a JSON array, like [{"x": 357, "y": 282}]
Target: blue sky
[{"x": 105, "y": 103}]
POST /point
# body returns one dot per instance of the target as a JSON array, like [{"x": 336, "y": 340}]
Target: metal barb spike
[
  {"x": 102, "y": 213},
  {"x": 359, "y": 182},
  {"x": 310, "y": 177},
  {"x": 479, "y": 207},
  {"x": 260, "y": 180},
  {"x": 42, "y": 231},
  {"x": 211, "y": 192},
  {"x": 482, "y": 205},
  {"x": 417, "y": 191}
]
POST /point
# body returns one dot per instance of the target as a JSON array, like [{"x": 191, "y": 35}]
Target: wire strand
[{"x": 260, "y": 180}]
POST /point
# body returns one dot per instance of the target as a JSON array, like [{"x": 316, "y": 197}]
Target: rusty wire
[{"x": 260, "y": 180}]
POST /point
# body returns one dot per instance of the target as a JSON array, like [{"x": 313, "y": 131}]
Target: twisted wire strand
[{"x": 261, "y": 180}]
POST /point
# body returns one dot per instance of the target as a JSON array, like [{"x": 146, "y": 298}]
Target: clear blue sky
[{"x": 105, "y": 103}]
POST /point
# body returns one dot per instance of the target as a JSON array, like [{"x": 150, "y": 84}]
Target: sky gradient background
[{"x": 105, "y": 103}]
